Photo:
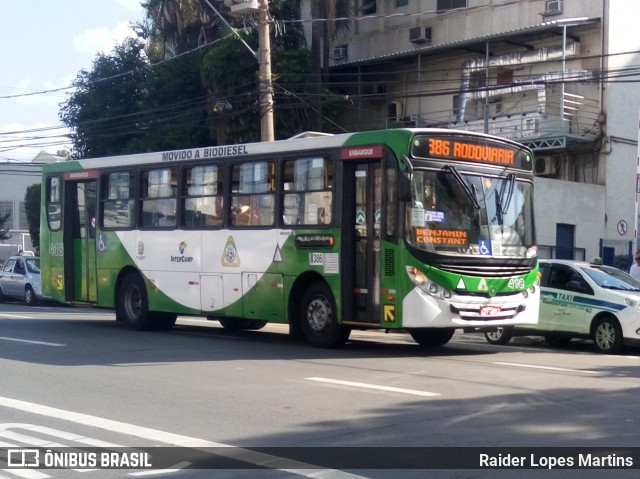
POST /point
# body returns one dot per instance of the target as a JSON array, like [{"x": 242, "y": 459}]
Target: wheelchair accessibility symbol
[
  {"x": 102, "y": 243},
  {"x": 485, "y": 247}
]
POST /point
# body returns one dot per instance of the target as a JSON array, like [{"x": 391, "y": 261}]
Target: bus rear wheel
[
  {"x": 318, "y": 318},
  {"x": 431, "y": 337},
  {"x": 133, "y": 305}
]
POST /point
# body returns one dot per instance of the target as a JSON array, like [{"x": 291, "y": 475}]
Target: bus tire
[
  {"x": 239, "y": 324},
  {"x": 431, "y": 337},
  {"x": 318, "y": 318},
  {"x": 499, "y": 336},
  {"x": 607, "y": 335},
  {"x": 133, "y": 305}
]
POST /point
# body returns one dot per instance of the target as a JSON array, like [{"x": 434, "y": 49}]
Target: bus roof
[{"x": 395, "y": 138}]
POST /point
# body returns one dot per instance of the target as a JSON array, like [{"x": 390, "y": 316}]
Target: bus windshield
[{"x": 467, "y": 214}]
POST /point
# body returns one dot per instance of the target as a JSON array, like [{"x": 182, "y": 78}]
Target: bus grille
[
  {"x": 485, "y": 270},
  {"x": 471, "y": 312}
]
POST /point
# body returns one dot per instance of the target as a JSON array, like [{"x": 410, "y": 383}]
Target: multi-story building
[
  {"x": 16, "y": 177},
  {"x": 557, "y": 75}
]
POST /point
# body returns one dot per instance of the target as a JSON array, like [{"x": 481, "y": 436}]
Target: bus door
[
  {"x": 361, "y": 248},
  {"x": 80, "y": 245}
]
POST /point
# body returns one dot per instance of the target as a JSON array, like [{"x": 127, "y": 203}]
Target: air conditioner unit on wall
[
  {"x": 545, "y": 166},
  {"x": 553, "y": 7},
  {"x": 420, "y": 35},
  {"x": 340, "y": 53}
]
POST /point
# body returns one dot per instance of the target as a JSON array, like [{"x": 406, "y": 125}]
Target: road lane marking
[
  {"x": 549, "y": 368},
  {"x": 15, "y": 316},
  {"x": 178, "y": 467},
  {"x": 41, "y": 343},
  {"x": 232, "y": 452},
  {"x": 374, "y": 386}
]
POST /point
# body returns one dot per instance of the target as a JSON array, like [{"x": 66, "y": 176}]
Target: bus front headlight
[{"x": 425, "y": 284}]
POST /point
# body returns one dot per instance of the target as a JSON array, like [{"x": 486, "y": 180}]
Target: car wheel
[
  {"x": 432, "y": 337},
  {"x": 1, "y": 296},
  {"x": 318, "y": 318},
  {"x": 607, "y": 336},
  {"x": 30, "y": 296},
  {"x": 499, "y": 336}
]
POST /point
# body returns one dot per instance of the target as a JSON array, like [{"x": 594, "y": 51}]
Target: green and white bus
[{"x": 419, "y": 230}]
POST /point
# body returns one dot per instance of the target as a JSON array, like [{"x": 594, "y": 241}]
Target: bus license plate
[{"x": 489, "y": 311}]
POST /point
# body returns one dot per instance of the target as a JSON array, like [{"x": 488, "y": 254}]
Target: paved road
[{"x": 74, "y": 377}]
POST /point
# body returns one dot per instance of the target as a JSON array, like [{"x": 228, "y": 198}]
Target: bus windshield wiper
[
  {"x": 502, "y": 204},
  {"x": 464, "y": 185},
  {"x": 511, "y": 178}
]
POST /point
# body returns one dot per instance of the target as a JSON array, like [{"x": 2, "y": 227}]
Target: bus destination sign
[{"x": 482, "y": 151}]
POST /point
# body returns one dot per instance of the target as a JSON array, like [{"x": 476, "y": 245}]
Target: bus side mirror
[{"x": 404, "y": 187}]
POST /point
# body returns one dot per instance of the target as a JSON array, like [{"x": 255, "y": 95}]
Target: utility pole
[
  {"x": 241, "y": 7},
  {"x": 266, "y": 85}
]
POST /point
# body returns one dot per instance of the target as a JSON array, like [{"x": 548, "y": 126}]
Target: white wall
[{"x": 578, "y": 204}]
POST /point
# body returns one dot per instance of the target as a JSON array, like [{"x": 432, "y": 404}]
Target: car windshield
[
  {"x": 457, "y": 213},
  {"x": 606, "y": 280},
  {"x": 33, "y": 265},
  {"x": 616, "y": 273}
]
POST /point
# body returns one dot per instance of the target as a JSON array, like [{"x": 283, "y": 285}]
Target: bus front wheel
[
  {"x": 318, "y": 318},
  {"x": 133, "y": 305},
  {"x": 500, "y": 335},
  {"x": 431, "y": 337}
]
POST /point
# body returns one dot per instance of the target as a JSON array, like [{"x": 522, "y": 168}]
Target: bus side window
[
  {"x": 158, "y": 198},
  {"x": 117, "y": 199},
  {"x": 54, "y": 202},
  {"x": 252, "y": 201},
  {"x": 307, "y": 195},
  {"x": 202, "y": 201}
]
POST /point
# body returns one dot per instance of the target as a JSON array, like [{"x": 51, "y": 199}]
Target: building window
[
  {"x": 369, "y": 7},
  {"x": 444, "y": 5},
  {"x": 23, "y": 224}
]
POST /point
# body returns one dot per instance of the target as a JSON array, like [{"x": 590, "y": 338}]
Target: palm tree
[{"x": 181, "y": 25}]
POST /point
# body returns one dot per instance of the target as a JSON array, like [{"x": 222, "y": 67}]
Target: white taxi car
[{"x": 582, "y": 300}]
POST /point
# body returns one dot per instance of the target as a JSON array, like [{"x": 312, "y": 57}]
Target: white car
[
  {"x": 20, "y": 279},
  {"x": 582, "y": 300}
]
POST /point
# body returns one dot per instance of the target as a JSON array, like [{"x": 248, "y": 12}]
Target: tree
[
  {"x": 187, "y": 82},
  {"x": 4, "y": 228},
  {"x": 104, "y": 110},
  {"x": 32, "y": 209}
]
